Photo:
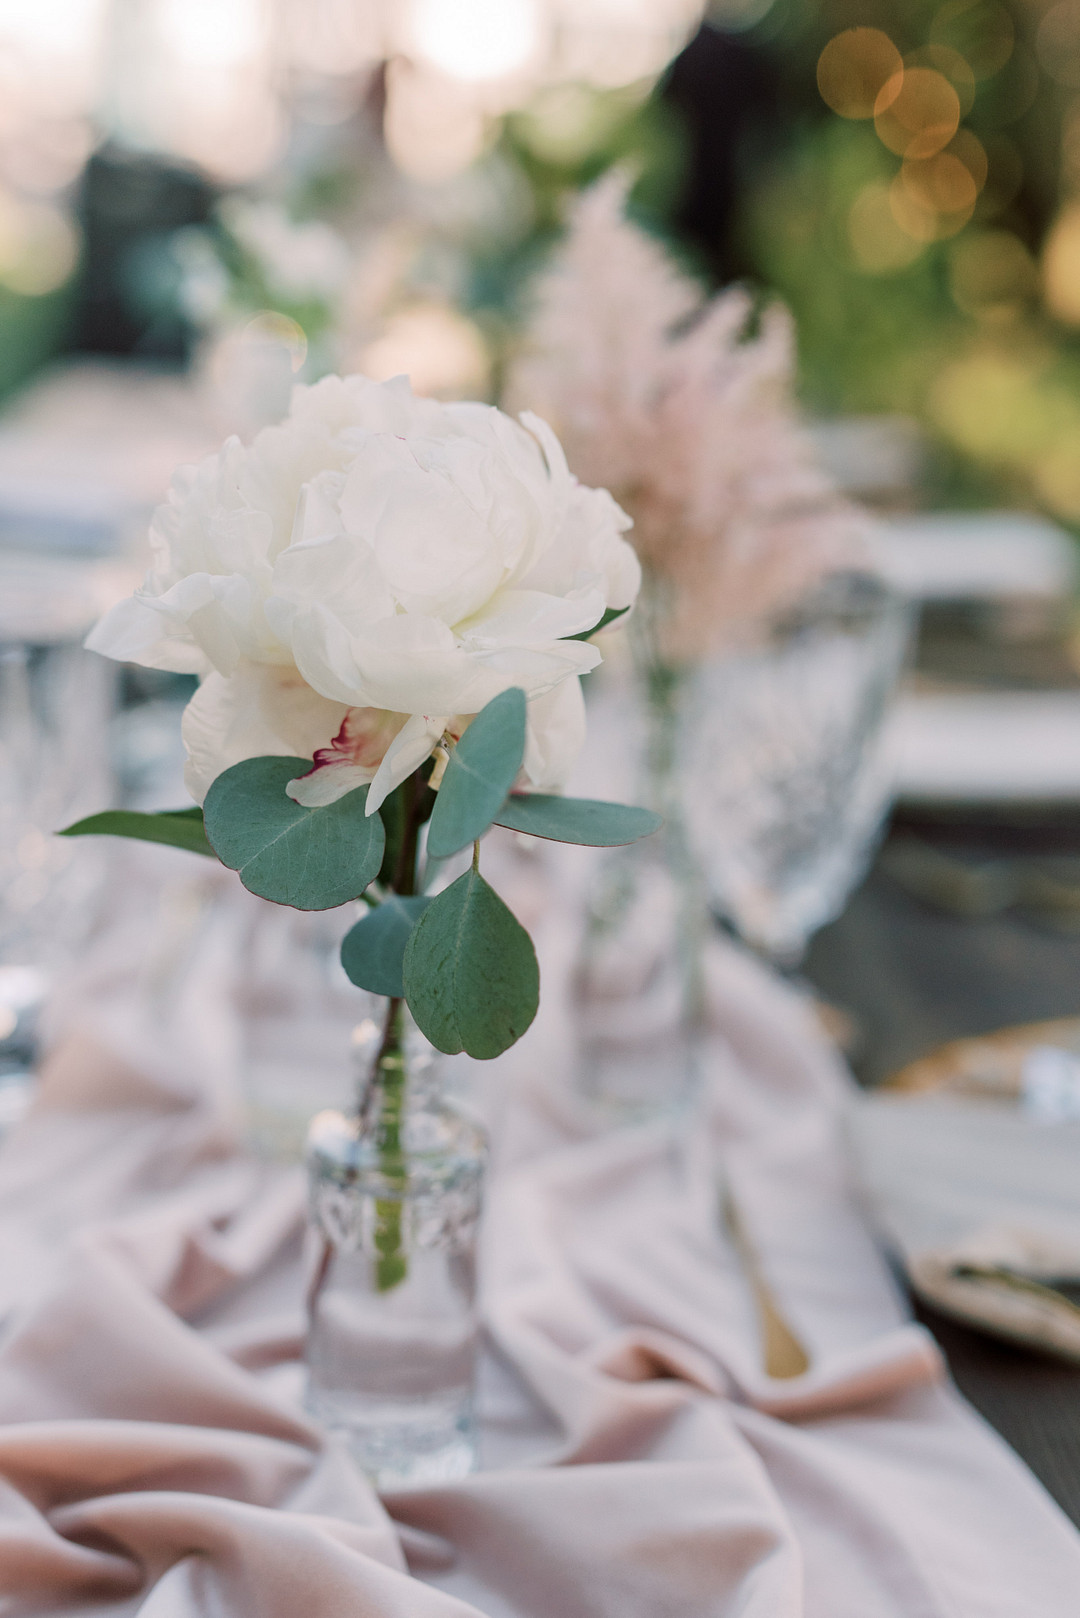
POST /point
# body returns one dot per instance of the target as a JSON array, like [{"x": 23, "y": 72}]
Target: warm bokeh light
[
  {"x": 46, "y": 155},
  {"x": 39, "y": 246},
  {"x": 441, "y": 351},
  {"x": 917, "y": 112},
  {"x": 1007, "y": 406},
  {"x": 1057, "y": 476},
  {"x": 269, "y": 326},
  {"x": 433, "y": 127},
  {"x": 991, "y": 273},
  {"x": 1061, "y": 266},
  {"x": 914, "y": 216},
  {"x": 972, "y": 153},
  {"x": 51, "y": 59},
  {"x": 1057, "y": 43},
  {"x": 333, "y": 37},
  {"x": 854, "y": 68},
  {"x": 477, "y": 39},
  {"x": 50, "y": 27},
  {"x": 218, "y": 83},
  {"x": 232, "y": 130},
  {"x": 213, "y": 33},
  {"x": 952, "y": 66},
  {"x": 610, "y": 43},
  {"x": 941, "y": 184},
  {"x": 986, "y": 403},
  {"x": 879, "y": 245},
  {"x": 206, "y": 87}
]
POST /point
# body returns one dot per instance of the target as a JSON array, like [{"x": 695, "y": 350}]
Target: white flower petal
[
  {"x": 588, "y": 552},
  {"x": 316, "y": 790},
  {"x": 337, "y": 570},
  {"x": 554, "y": 736},
  {"x": 433, "y": 546},
  {"x": 135, "y": 631},
  {"x": 259, "y": 710},
  {"x": 406, "y": 753},
  {"x": 531, "y": 618},
  {"x": 534, "y": 669}
]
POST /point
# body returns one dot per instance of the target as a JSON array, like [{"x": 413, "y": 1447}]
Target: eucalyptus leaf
[
  {"x": 610, "y": 615},
  {"x": 577, "y": 820},
  {"x": 470, "y": 973},
  {"x": 481, "y": 771},
  {"x": 180, "y": 828},
  {"x": 311, "y": 859},
  {"x": 373, "y": 950}
]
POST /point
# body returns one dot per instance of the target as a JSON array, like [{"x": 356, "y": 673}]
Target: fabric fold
[{"x": 638, "y": 1462}]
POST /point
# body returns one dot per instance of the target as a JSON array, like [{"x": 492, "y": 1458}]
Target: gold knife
[{"x": 783, "y": 1353}]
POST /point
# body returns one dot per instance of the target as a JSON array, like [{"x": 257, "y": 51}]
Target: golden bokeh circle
[
  {"x": 911, "y": 214},
  {"x": 991, "y": 272},
  {"x": 942, "y": 184},
  {"x": 878, "y": 244},
  {"x": 853, "y": 69},
  {"x": 951, "y": 65},
  {"x": 1061, "y": 266},
  {"x": 972, "y": 153},
  {"x": 1057, "y": 43},
  {"x": 917, "y": 112}
]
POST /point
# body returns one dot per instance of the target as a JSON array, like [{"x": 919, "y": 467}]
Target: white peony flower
[{"x": 363, "y": 578}]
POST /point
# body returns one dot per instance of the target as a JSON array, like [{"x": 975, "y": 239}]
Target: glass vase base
[{"x": 401, "y": 1442}]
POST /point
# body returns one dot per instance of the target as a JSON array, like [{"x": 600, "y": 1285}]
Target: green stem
[
  {"x": 384, "y": 1104},
  {"x": 405, "y": 874},
  {"x": 388, "y": 1092}
]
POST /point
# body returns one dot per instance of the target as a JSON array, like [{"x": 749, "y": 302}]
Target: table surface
[{"x": 911, "y": 975}]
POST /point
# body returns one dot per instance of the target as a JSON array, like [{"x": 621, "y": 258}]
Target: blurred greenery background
[{"x": 905, "y": 174}]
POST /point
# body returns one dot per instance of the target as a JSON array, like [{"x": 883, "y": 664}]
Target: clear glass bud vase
[{"x": 395, "y": 1196}]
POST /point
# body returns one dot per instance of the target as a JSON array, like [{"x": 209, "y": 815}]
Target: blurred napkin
[{"x": 979, "y": 1195}]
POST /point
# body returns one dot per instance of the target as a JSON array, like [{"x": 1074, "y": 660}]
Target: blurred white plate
[
  {"x": 986, "y": 746},
  {"x": 977, "y": 556}
]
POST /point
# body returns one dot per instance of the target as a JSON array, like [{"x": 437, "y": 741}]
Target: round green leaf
[
  {"x": 577, "y": 820},
  {"x": 180, "y": 828},
  {"x": 312, "y": 859},
  {"x": 373, "y": 950},
  {"x": 470, "y": 973},
  {"x": 481, "y": 771}
]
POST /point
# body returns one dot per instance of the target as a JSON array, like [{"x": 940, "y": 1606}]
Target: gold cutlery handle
[{"x": 783, "y": 1353}]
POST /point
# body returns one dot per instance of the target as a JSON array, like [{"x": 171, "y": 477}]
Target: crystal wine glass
[{"x": 785, "y": 784}]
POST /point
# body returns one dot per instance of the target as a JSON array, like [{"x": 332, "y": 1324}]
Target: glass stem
[{"x": 663, "y": 686}]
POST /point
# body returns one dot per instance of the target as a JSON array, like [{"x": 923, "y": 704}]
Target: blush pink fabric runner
[{"x": 637, "y": 1461}]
